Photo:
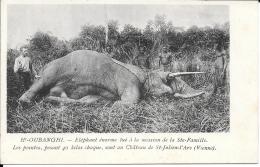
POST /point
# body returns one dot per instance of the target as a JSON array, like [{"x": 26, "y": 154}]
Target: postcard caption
[{"x": 122, "y": 143}]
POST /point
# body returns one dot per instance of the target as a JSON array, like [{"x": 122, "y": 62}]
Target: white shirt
[{"x": 22, "y": 64}]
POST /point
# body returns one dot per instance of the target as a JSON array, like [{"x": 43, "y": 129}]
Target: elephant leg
[
  {"x": 129, "y": 97},
  {"x": 60, "y": 99},
  {"x": 65, "y": 100},
  {"x": 57, "y": 91},
  {"x": 32, "y": 92},
  {"x": 90, "y": 99}
]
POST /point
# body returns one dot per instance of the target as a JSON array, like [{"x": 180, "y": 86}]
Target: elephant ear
[
  {"x": 163, "y": 75},
  {"x": 138, "y": 72}
]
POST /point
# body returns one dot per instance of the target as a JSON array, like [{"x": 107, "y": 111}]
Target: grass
[{"x": 152, "y": 115}]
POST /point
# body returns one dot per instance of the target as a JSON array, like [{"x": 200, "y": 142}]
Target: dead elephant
[{"x": 86, "y": 76}]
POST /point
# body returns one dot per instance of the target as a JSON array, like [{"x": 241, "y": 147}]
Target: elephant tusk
[
  {"x": 185, "y": 96},
  {"x": 178, "y": 74}
]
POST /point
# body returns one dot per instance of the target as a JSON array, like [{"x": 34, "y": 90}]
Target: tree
[
  {"x": 92, "y": 37},
  {"x": 44, "y": 47},
  {"x": 41, "y": 41}
]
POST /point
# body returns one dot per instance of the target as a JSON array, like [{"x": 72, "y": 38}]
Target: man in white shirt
[{"x": 23, "y": 67}]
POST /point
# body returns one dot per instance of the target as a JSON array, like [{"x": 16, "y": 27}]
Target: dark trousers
[{"x": 26, "y": 79}]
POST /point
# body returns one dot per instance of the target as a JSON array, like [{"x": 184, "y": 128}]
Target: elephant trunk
[{"x": 182, "y": 90}]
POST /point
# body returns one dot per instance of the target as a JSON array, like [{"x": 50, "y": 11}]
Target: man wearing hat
[{"x": 24, "y": 68}]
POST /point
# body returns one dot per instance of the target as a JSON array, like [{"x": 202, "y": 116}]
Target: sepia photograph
[{"x": 118, "y": 68}]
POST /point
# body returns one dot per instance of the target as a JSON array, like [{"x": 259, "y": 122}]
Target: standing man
[
  {"x": 23, "y": 67},
  {"x": 165, "y": 59}
]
